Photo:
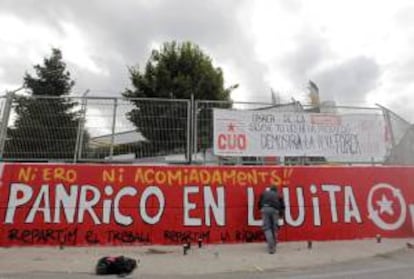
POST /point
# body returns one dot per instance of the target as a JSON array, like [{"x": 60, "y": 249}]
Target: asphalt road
[{"x": 394, "y": 265}]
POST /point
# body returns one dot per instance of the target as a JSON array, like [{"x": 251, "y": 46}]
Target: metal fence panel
[
  {"x": 95, "y": 129},
  {"x": 138, "y": 130},
  {"x": 37, "y": 130}
]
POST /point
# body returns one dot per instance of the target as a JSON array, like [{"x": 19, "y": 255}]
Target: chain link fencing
[{"x": 142, "y": 130}]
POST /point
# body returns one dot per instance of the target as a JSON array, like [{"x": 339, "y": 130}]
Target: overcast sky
[{"x": 359, "y": 52}]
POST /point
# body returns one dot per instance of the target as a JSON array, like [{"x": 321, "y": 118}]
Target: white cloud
[
  {"x": 28, "y": 42},
  {"x": 324, "y": 39},
  {"x": 20, "y": 38},
  {"x": 77, "y": 50}
]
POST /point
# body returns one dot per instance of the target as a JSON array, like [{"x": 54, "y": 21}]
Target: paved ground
[
  {"x": 169, "y": 261},
  {"x": 397, "y": 264}
]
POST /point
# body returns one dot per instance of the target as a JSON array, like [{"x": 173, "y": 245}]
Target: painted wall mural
[{"x": 79, "y": 204}]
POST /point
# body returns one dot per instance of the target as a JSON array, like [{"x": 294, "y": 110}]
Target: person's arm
[
  {"x": 259, "y": 202},
  {"x": 282, "y": 207}
]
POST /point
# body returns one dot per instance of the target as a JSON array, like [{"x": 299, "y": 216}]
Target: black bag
[{"x": 115, "y": 265}]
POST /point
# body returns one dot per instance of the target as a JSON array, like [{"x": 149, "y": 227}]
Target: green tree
[
  {"x": 176, "y": 71},
  {"x": 46, "y": 121}
]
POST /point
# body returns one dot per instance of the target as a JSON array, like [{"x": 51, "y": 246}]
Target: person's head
[{"x": 273, "y": 188}]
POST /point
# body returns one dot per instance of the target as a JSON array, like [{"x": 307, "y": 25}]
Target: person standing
[{"x": 271, "y": 206}]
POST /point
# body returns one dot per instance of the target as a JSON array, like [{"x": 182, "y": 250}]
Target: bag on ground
[{"x": 115, "y": 265}]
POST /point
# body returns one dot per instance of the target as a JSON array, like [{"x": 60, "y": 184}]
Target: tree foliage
[
  {"x": 46, "y": 121},
  {"x": 176, "y": 71}
]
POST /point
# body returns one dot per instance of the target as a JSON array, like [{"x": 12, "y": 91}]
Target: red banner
[{"x": 63, "y": 204}]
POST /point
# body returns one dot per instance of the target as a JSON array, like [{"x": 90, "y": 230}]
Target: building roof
[{"x": 119, "y": 138}]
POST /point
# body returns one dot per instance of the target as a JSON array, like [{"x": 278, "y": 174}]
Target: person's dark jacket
[{"x": 272, "y": 199}]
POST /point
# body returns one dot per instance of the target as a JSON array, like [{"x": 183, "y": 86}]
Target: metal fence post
[
  {"x": 195, "y": 127},
  {"x": 190, "y": 130},
  {"x": 81, "y": 127},
  {"x": 189, "y": 123},
  {"x": 111, "y": 150},
  {"x": 5, "y": 121},
  {"x": 387, "y": 117}
]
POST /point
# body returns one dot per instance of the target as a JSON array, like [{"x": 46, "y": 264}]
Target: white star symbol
[{"x": 385, "y": 205}]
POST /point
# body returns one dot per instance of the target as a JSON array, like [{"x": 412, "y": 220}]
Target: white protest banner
[{"x": 264, "y": 133}]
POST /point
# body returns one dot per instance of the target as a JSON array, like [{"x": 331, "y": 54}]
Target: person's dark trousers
[{"x": 270, "y": 216}]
